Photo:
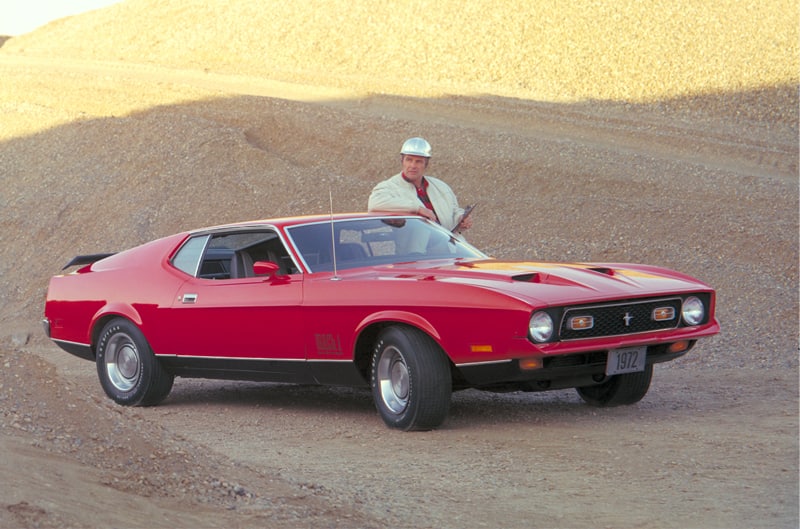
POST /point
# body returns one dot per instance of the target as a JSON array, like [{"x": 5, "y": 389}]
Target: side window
[
  {"x": 230, "y": 255},
  {"x": 188, "y": 257},
  {"x": 216, "y": 264},
  {"x": 272, "y": 249}
]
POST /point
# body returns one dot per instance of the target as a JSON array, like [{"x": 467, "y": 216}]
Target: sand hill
[{"x": 547, "y": 51}]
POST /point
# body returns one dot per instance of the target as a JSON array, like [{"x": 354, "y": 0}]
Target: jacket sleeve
[{"x": 387, "y": 196}]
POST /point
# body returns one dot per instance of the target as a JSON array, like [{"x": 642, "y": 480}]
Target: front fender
[{"x": 400, "y": 316}]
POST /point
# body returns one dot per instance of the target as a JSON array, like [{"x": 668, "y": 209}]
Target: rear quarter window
[{"x": 188, "y": 257}]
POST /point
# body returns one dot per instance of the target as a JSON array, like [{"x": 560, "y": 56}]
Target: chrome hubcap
[
  {"x": 392, "y": 374},
  {"x": 122, "y": 362}
]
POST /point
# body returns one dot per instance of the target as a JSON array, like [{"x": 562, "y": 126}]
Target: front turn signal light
[
  {"x": 529, "y": 364},
  {"x": 678, "y": 347}
]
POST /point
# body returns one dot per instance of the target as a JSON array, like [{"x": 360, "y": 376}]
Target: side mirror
[{"x": 265, "y": 268}]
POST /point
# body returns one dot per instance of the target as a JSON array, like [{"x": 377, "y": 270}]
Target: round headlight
[
  {"x": 541, "y": 327},
  {"x": 693, "y": 311}
]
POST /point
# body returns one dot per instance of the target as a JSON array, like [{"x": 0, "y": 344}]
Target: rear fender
[{"x": 109, "y": 312}]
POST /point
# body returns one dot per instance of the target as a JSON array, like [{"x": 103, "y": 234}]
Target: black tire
[
  {"x": 619, "y": 390},
  {"x": 411, "y": 379},
  {"x": 129, "y": 372}
]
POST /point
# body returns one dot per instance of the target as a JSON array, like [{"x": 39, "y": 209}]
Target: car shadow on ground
[
  {"x": 190, "y": 393},
  {"x": 469, "y": 408}
]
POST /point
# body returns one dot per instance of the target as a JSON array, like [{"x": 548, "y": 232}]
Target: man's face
[{"x": 414, "y": 167}]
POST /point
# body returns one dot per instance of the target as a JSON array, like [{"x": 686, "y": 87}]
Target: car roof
[{"x": 285, "y": 222}]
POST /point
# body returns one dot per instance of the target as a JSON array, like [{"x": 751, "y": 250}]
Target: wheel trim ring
[
  {"x": 393, "y": 381},
  {"x": 123, "y": 365}
]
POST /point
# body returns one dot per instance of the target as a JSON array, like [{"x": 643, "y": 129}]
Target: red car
[{"x": 392, "y": 302}]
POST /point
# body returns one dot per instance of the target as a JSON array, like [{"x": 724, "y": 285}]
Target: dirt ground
[
  {"x": 706, "y": 448},
  {"x": 101, "y": 152}
]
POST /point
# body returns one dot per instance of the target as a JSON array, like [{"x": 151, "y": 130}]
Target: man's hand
[
  {"x": 422, "y": 211},
  {"x": 466, "y": 220}
]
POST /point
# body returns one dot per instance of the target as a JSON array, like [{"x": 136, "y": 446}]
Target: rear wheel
[
  {"x": 411, "y": 380},
  {"x": 618, "y": 390},
  {"x": 129, "y": 372}
]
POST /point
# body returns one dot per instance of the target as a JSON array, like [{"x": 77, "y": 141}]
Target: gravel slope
[{"x": 666, "y": 134}]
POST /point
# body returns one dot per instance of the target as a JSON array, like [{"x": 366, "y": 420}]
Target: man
[{"x": 410, "y": 191}]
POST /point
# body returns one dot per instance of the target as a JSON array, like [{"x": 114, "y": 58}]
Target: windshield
[{"x": 376, "y": 241}]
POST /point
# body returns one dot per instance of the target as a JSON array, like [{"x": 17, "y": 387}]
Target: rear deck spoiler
[{"x": 80, "y": 260}]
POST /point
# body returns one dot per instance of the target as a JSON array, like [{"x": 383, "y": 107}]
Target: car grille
[{"x": 620, "y": 318}]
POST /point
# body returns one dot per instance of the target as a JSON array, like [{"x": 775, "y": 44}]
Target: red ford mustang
[{"x": 390, "y": 302}]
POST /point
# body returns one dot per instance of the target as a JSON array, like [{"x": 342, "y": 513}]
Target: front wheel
[
  {"x": 411, "y": 380},
  {"x": 619, "y": 390},
  {"x": 129, "y": 372}
]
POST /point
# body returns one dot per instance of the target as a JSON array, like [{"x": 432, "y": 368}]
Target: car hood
[{"x": 551, "y": 283}]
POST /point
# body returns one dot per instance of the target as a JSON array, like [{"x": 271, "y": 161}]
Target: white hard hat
[{"x": 416, "y": 147}]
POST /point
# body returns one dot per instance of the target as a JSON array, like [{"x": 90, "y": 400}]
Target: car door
[
  {"x": 247, "y": 318},
  {"x": 226, "y": 320}
]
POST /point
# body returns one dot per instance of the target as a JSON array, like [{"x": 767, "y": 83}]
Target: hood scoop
[
  {"x": 544, "y": 279},
  {"x": 602, "y": 270},
  {"x": 561, "y": 279},
  {"x": 534, "y": 277}
]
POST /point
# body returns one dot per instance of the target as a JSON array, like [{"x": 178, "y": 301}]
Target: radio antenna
[{"x": 333, "y": 238}]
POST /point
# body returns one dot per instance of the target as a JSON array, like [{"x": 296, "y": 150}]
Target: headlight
[
  {"x": 693, "y": 311},
  {"x": 541, "y": 327}
]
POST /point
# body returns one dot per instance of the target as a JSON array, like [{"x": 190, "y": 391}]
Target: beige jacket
[{"x": 396, "y": 195}]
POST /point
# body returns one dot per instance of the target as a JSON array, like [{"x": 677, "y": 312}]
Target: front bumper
[{"x": 557, "y": 372}]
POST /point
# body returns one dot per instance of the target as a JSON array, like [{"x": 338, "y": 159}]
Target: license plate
[{"x": 627, "y": 360}]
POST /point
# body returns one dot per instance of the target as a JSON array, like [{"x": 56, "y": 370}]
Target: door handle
[{"x": 189, "y": 298}]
